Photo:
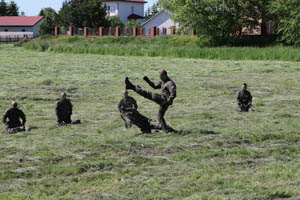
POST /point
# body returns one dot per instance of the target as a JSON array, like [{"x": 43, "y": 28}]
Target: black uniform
[
  {"x": 14, "y": 115},
  {"x": 164, "y": 100},
  {"x": 244, "y": 99},
  {"x": 63, "y": 111}
]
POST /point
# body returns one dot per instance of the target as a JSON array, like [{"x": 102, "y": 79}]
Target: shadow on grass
[{"x": 201, "y": 131}]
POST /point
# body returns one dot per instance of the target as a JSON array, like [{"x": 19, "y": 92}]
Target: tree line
[
  {"x": 223, "y": 20},
  {"x": 9, "y": 9}
]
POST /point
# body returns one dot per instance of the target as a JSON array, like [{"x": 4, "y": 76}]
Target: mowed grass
[{"x": 219, "y": 153}]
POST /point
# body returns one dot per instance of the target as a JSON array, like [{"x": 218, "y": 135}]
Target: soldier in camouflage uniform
[
  {"x": 164, "y": 100},
  {"x": 14, "y": 114},
  {"x": 130, "y": 115},
  {"x": 244, "y": 99},
  {"x": 126, "y": 105},
  {"x": 63, "y": 110}
]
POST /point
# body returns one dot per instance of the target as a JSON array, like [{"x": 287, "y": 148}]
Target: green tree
[
  {"x": 132, "y": 23},
  {"x": 3, "y": 8},
  {"x": 288, "y": 14},
  {"x": 50, "y": 21},
  {"x": 81, "y": 13},
  {"x": 12, "y": 9},
  {"x": 115, "y": 21},
  {"x": 217, "y": 18}
]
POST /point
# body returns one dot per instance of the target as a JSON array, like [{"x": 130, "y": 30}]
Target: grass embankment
[
  {"x": 221, "y": 153},
  {"x": 174, "y": 46}
]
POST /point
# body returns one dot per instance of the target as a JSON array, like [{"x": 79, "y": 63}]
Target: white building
[
  {"x": 126, "y": 9},
  {"x": 161, "y": 20},
  {"x": 20, "y": 26}
]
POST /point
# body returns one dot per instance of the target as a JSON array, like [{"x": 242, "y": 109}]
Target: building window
[
  {"x": 23, "y": 30},
  {"x": 132, "y": 9},
  {"x": 6, "y": 30},
  {"x": 112, "y": 9}
]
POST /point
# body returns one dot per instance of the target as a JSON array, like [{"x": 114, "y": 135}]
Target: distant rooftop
[
  {"x": 133, "y": 1},
  {"x": 20, "y": 20}
]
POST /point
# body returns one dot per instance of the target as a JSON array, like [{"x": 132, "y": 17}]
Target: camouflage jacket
[
  {"x": 127, "y": 103},
  {"x": 244, "y": 97},
  {"x": 168, "y": 89}
]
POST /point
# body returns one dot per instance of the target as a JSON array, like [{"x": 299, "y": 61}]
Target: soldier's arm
[
  {"x": 153, "y": 85},
  {"x": 120, "y": 106},
  {"x": 172, "y": 90},
  {"x": 250, "y": 98},
  {"x": 70, "y": 107},
  {"x": 23, "y": 117}
]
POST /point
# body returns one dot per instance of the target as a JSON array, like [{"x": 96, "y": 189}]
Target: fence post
[
  {"x": 153, "y": 31},
  {"x": 172, "y": 32},
  {"x": 70, "y": 30},
  {"x": 134, "y": 31},
  {"x": 110, "y": 31},
  {"x": 193, "y": 32},
  {"x": 85, "y": 31},
  {"x": 56, "y": 31},
  {"x": 100, "y": 31},
  {"x": 117, "y": 32}
]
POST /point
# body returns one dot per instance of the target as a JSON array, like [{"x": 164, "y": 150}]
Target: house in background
[
  {"x": 21, "y": 26},
  {"x": 126, "y": 9},
  {"x": 161, "y": 20}
]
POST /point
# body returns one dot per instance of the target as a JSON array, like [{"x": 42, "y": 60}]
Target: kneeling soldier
[
  {"x": 14, "y": 114},
  {"x": 63, "y": 111},
  {"x": 244, "y": 99}
]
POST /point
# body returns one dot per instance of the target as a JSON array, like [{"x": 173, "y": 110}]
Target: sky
[{"x": 33, "y": 7}]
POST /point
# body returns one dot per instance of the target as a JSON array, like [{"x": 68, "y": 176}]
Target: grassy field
[
  {"x": 220, "y": 153},
  {"x": 165, "y": 46}
]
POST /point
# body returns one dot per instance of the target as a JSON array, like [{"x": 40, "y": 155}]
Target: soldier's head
[
  {"x": 63, "y": 95},
  {"x": 125, "y": 93},
  {"x": 14, "y": 104},
  {"x": 163, "y": 75},
  {"x": 244, "y": 86}
]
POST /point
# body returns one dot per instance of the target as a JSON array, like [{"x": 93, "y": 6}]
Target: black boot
[{"x": 129, "y": 85}]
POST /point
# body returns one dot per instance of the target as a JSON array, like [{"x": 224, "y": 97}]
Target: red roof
[
  {"x": 20, "y": 20},
  {"x": 134, "y": 1}
]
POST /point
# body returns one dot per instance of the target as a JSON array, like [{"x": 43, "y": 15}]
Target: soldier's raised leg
[{"x": 144, "y": 93}]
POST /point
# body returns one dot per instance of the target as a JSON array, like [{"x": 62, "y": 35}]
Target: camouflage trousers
[
  {"x": 163, "y": 106},
  {"x": 244, "y": 107}
]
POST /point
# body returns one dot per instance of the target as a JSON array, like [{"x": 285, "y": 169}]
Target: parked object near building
[
  {"x": 126, "y": 9},
  {"x": 20, "y": 26},
  {"x": 162, "y": 21}
]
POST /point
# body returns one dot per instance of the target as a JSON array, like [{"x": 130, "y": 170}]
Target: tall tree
[
  {"x": 81, "y": 13},
  {"x": 288, "y": 14},
  {"x": 216, "y": 18},
  {"x": 3, "y": 8},
  {"x": 13, "y": 9},
  {"x": 50, "y": 20}
]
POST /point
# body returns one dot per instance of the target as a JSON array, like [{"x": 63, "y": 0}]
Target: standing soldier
[
  {"x": 14, "y": 114},
  {"x": 244, "y": 99},
  {"x": 63, "y": 110},
  {"x": 127, "y": 104},
  {"x": 164, "y": 100}
]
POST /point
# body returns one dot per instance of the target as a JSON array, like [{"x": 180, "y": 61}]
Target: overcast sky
[{"x": 33, "y": 7}]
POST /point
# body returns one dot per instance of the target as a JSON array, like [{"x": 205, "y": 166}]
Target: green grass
[
  {"x": 173, "y": 47},
  {"x": 220, "y": 153}
]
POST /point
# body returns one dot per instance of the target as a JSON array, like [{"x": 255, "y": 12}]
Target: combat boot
[{"x": 129, "y": 85}]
